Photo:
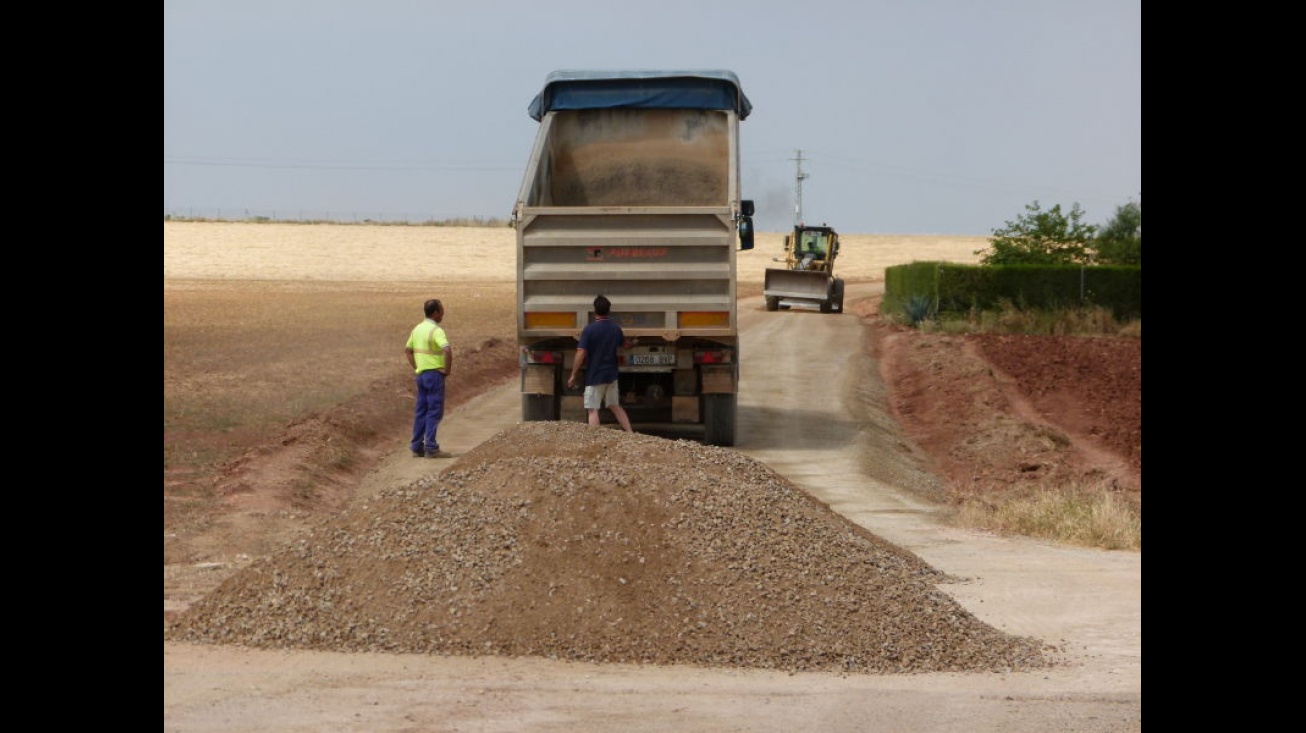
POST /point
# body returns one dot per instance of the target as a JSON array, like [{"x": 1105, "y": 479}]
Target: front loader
[{"x": 808, "y": 276}]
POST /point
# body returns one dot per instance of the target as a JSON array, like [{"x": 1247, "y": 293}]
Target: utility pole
[{"x": 798, "y": 188}]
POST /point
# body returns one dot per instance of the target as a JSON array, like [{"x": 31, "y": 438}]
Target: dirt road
[{"x": 811, "y": 407}]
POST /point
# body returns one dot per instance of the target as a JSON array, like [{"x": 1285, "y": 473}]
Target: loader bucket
[{"x": 804, "y": 284}]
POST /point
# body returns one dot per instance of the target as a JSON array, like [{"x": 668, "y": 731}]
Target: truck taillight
[
  {"x": 718, "y": 356},
  {"x": 704, "y": 319},
  {"x": 544, "y": 357},
  {"x": 547, "y": 319}
]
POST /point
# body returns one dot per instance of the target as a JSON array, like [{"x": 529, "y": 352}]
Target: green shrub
[{"x": 919, "y": 308}]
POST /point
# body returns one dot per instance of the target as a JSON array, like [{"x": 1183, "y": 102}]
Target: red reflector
[
  {"x": 711, "y": 357},
  {"x": 546, "y": 357}
]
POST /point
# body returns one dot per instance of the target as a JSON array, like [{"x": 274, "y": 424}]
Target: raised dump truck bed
[{"x": 632, "y": 192}]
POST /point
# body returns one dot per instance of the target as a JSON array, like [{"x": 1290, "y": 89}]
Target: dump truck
[
  {"x": 808, "y": 275},
  {"x": 632, "y": 191}
]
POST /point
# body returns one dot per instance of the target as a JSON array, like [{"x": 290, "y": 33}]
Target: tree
[
  {"x": 1040, "y": 237},
  {"x": 1120, "y": 241}
]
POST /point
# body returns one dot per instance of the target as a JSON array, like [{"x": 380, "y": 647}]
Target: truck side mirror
[
  {"x": 746, "y": 232},
  {"x": 746, "y": 207}
]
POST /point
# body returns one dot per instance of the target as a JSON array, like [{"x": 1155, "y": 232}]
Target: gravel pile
[{"x": 564, "y": 541}]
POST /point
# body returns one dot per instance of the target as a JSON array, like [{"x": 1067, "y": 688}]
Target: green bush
[
  {"x": 919, "y": 308},
  {"x": 958, "y": 289}
]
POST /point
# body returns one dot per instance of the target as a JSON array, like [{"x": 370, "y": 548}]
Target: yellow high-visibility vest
[{"x": 427, "y": 342}]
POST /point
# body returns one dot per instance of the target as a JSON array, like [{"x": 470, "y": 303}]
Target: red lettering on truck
[{"x": 632, "y": 253}]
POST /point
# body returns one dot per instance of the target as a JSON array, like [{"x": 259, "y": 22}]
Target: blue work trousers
[{"x": 428, "y": 412}]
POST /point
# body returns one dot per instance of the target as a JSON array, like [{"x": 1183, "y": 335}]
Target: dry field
[
  {"x": 286, "y": 404},
  {"x": 267, "y": 323},
  {"x": 283, "y": 348},
  {"x": 434, "y": 256},
  {"x": 310, "y": 356}
]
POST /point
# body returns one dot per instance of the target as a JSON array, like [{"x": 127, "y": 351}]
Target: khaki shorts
[{"x": 598, "y": 395}]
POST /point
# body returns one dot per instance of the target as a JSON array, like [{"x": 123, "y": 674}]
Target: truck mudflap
[
  {"x": 813, "y": 286},
  {"x": 541, "y": 398}
]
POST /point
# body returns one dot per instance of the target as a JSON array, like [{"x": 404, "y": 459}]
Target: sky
[{"x": 887, "y": 116}]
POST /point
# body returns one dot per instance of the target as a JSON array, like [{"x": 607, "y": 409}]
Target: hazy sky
[{"x": 912, "y": 116}]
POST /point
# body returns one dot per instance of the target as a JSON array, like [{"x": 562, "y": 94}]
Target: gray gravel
[{"x": 564, "y": 541}]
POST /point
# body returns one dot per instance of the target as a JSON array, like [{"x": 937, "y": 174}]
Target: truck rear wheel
[
  {"x": 719, "y": 419},
  {"x": 539, "y": 407},
  {"x": 772, "y": 303}
]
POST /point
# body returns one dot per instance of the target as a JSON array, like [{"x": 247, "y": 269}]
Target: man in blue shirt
[{"x": 599, "y": 343}]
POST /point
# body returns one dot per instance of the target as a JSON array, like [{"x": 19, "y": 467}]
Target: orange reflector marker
[
  {"x": 542, "y": 319},
  {"x": 704, "y": 319}
]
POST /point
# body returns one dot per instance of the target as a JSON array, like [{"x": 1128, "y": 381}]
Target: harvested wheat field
[{"x": 386, "y": 254}]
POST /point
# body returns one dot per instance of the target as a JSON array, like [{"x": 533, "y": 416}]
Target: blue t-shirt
[{"x": 601, "y": 339}]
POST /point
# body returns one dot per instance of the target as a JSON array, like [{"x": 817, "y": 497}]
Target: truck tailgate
[{"x": 658, "y": 266}]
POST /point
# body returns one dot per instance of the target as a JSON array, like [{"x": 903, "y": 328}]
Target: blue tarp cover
[{"x": 709, "y": 89}]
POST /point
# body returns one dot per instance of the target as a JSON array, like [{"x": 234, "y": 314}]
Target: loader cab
[
  {"x": 814, "y": 243},
  {"x": 814, "y": 248}
]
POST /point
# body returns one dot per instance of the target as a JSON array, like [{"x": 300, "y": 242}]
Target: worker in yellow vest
[{"x": 430, "y": 356}]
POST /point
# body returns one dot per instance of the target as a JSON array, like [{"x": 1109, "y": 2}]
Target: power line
[
  {"x": 334, "y": 165},
  {"x": 931, "y": 178}
]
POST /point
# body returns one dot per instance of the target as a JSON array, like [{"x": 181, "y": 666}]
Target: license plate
[{"x": 664, "y": 358}]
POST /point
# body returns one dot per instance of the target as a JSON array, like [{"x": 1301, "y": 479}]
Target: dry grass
[
  {"x": 1090, "y": 516},
  {"x": 1091, "y": 321}
]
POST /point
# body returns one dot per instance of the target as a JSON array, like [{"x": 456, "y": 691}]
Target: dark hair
[
  {"x": 602, "y": 306},
  {"x": 432, "y": 306}
]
